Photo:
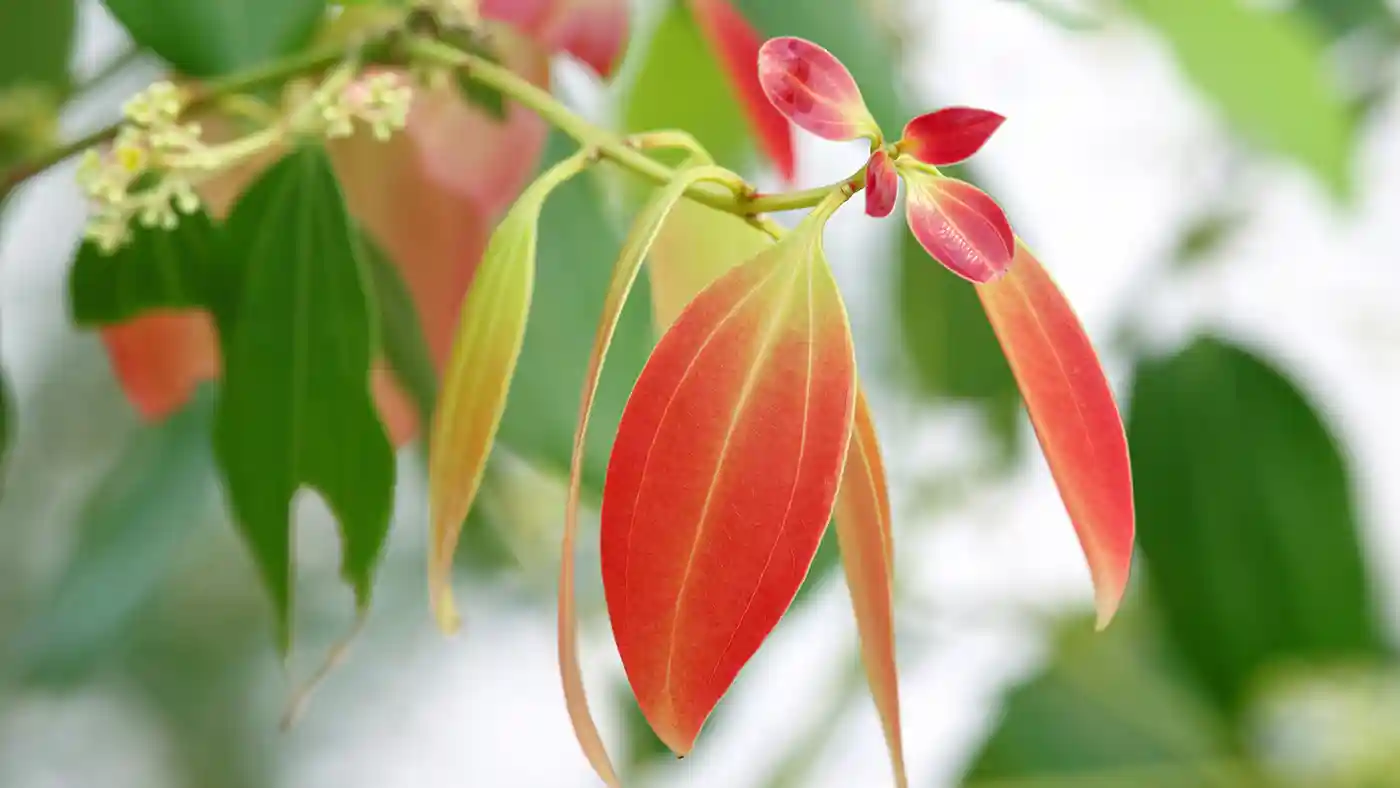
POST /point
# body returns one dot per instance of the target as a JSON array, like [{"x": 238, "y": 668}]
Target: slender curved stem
[{"x": 730, "y": 198}]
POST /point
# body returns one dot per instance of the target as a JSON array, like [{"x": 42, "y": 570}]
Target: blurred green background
[{"x": 1213, "y": 182}]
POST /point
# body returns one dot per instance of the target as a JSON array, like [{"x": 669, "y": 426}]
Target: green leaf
[
  {"x": 160, "y": 488},
  {"x": 578, "y": 242},
  {"x": 1339, "y": 18},
  {"x": 680, "y": 85},
  {"x": 1107, "y": 710},
  {"x": 1268, "y": 73},
  {"x": 157, "y": 269},
  {"x": 950, "y": 344},
  {"x": 849, "y": 31},
  {"x": 36, "y": 40},
  {"x": 296, "y": 408},
  {"x": 206, "y": 38},
  {"x": 1246, "y": 521},
  {"x": 401, "y": 339}
]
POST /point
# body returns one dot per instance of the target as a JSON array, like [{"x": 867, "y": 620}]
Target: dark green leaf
[
  {"x": 1268, "y": 73},
  {"x": 1246, "y": 521},
  {"x": 1339, "y": 18},
  {"x": 949, "y": 343},
  {"x": 36, "y": 39},
  {"x": 1106, "y": 711},
  {"x": 157, "y": 269},
  {"x": 474, "y": 91},
  {"x": 849, "y": 31},
  {"x": 296, "y": 408},
  {"x": 160, "y": 489},
  {"x": 205, "y": 38},
  {"x": 680, "y": 85},
  {"x": 578, "y": 244},
  {"x": 401, "y": 337}
]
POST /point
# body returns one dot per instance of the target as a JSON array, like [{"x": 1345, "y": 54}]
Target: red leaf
[
  {"x": 881, "y": 185},
  {"x": 594, "y": 31},
  {"x": 723, "y": 478},
  {"x": 958, "y": 225},
  {"x": 813, "y": 89},
  {"x": 949, "y": 135},
  {"x": 1074, "y": 414},
  {"x": 160, "y": 358},
  {"x": 863, "y": 522},
  {"x": 736, "y": 44}
]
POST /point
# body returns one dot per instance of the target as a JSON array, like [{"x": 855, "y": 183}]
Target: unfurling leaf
[
  {"x": 814, "y": 90},
  {"x": 881, "y": 185},
  {"x": 723, "y": 477},
  {"x": 863, "y": 527},
  {"x": 1074, "y": 415},
  {"x": 950, "y": 135},
  {"x": 958, "y": 225},
  {"x": 644, "y": 231},
  {"x": 297, "y": 330},
  {"x": 477, "y": 378},
  {"x": 737, "y": 46}
]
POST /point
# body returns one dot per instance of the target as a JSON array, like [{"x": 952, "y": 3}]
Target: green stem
[{"x": 628, "y": 155}]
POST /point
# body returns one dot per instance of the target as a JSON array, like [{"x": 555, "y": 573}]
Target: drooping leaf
[
  {"x": 1249, "y": 528},
  {"x": 578, "y": 242},
  {"x": 737, "y": 46},
  {"x": 1109, "y": 710},
  {"x": 959, "y": 225},
  {"x": 130, "y": 529},
  {"x": 157, "y": 269},
  {"x": 881, "y": 185},
  {"x": 810, "y": 87},
  {"x": 723, "y": 478},
  {"x": 949, "y": 135},
  {"x": 850, "y": 32},
  {"x": 708, "y": 108},
  {"x": 1074, "y": 415},
  {"x": 863, "y": 526},
  {"x": 203, "y": 38},
  {"x": 1268, "y": 73},
  {"x": 297, "y": 327},
  {"x": 951, "y": 347},
  {"x": 629, "y": 264},
  {"x": 478, "y": 378}
]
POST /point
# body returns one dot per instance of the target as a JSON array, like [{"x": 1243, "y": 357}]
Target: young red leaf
[
  {"x": 867, "y": 553},
  {"x": 161, "y": 358},
  {"x": 594, "y": 31},
  {"x": 723, "y": 478},
  {"x": 736, "y": 44},
  {"x": 881, "y": 185},
  {"x": 1074, "y": 414},
  {"x": 949, "y": 135},
  {"x": 644, "y": 232},
  {"x": 477, "y": 379},
  {"x": 814, "y": 90},
  {"x": 958, "y": 225}
]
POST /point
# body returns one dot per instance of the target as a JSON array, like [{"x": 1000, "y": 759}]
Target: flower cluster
[
  {"x": 132, "y": 178},
  {"x": 380, "y": 100}
]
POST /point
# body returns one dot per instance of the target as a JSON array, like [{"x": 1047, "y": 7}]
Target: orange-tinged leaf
[
  {"x": 867, "y": 554},
  {"x": 1074, "y": 415},
  {"x": 477, "y": 378},
  {"x": 697, "y": 244},
  {"x": 723, "y": 478},
  {"x": 644, "y": 231},
  {"x": 736, "y": 44}
]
